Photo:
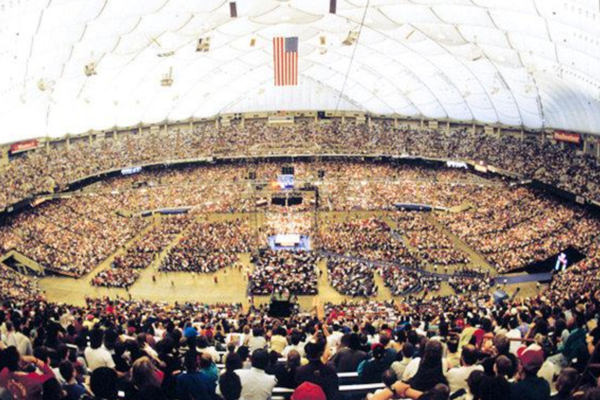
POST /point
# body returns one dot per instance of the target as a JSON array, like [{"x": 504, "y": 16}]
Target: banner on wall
[
  {"x": 570, "y": 137},
  {"x": 22, "y": 146}
]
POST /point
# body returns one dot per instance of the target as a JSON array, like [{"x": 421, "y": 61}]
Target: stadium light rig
[
  {"x": 351, "y": 38},
  {"x": 203, "y": 44},
  {"x": 167, "y": 79},
  {"x": 90, "y": 69}
]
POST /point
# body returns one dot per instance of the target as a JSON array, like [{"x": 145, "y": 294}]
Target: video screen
[{"x": 285, "y": 181}]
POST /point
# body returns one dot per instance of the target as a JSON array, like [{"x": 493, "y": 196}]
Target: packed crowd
[
  {"x": 512, "y": 226},
  {"x": 126, "y": 268},
  {"x": 44, "y": 170},
  {"x": 518, "y": 228},
  {"x": 432, "y": 245},
  {"x": 284, "y": 273},
  {"x": 289, "y": 222},
  {"x": 370, "y": 239},
  {"x": 464, "y": 345},
  {"x": 403, "y": 281},
  {"x": 411, "y": 346},
  {"x": 468, "y": 280},
  {"x": 210, "y": 246},
  {"x": 69, "y": 236},
  {"x": 351, "y": 278}
]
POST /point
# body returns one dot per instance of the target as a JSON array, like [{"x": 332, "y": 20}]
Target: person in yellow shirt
[{"x": 278, "y": 340}]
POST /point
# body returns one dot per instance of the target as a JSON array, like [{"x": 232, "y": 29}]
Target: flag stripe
[{"x": 285, "y": 59}]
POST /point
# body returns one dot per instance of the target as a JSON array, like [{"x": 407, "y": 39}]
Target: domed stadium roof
[{"x": 72, "y": 65}]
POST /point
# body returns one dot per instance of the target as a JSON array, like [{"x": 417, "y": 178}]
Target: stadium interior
[{"x": 300, "y": 199}]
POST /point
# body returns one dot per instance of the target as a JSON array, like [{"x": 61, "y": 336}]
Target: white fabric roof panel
[{"x": 525, "y": 63}]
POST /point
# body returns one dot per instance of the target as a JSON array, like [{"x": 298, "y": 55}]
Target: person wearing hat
[
  {"x": 528, "y": 385},
  {"x": 309, "y": 391}
]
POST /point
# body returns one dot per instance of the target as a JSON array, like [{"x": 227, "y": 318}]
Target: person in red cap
[
  {"x": 529, "y": 386},
  {"x": 309, "y": 391}
]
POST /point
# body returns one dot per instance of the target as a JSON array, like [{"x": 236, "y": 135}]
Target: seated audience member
[
  {"x": 278, "y": 341},
  {"x": 256, "y": 384},
  {"x": 504, "y": 367},
  {"x": 209, "y": 369},
  {"x": 348, "y": 357},
  {"x": 528, "y": 385},
  {"x": 495, "y": 388},
  {"x": 457, "y": 377},
  {"x": 370, "y": 370},
  {"x": 103, "y": 384},
  {"x": 192, "y": 384},
  {"x": 230, "y": 386},
  {"x": 574, "y": 347},
  {"x": 565, "y": 384},
  {"x": 286, "y": 373},
  {"x": 430, "y": 370},
  {"x": 407, "y": 353},
  {"x": 145, "y": 377},
  {"x": 72, "y": 387},
  {"x": 96, "y": 354},
  {"x": 52, "y": 390},
  {"x": 309, "y": 391},
  {"x": 402, "y": 390},
  {"x": 453, "y": 357},
  {"x": 317, "y": 372},
  {"x": 500, "y": 347},
  {"x": 23, "y": 370},
  {"x": 474, "y": 381}
]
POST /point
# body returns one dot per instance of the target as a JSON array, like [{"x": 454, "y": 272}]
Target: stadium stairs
[{"x": 22, "y": 264}]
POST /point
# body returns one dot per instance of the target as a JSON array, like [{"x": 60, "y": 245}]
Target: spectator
[
  {"x": 370, "y": 370},
  {"x": 256, "y": 384},
  {"x": 457, "y": 377},
  {"x": 317, "y": 372},
  {"x": 529, "y": 386},
  {"x": 192, "y": 384}
]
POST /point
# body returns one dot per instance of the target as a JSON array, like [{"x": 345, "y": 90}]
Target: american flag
[{"x": 285, "y": 54}]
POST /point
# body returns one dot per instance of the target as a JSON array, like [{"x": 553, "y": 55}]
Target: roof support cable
[{"x": 362, "y": 22}]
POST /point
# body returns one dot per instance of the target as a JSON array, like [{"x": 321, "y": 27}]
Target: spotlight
[
  {"x": 203, "y": 45},
  {"x": 90, "y": 69},
  {"x": 167, "y": 80}
]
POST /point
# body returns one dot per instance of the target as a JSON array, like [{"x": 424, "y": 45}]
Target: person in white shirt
[
  {"x": 514, "y": 333},
  {"x": 296, "y": 339},
  {"x": 256, "y": 383},
  {"x": 334, "y": 339},
  {"x": 13, "y": 337},
  {"x": 257, "y": 341},
  {"x": 413, "y": 366},
  {"x": 203, "y": 347},
  {"x": 457, "y": 377},
  {"x": 408, "y": 350},
  {"x": 96, "y": 355}
]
